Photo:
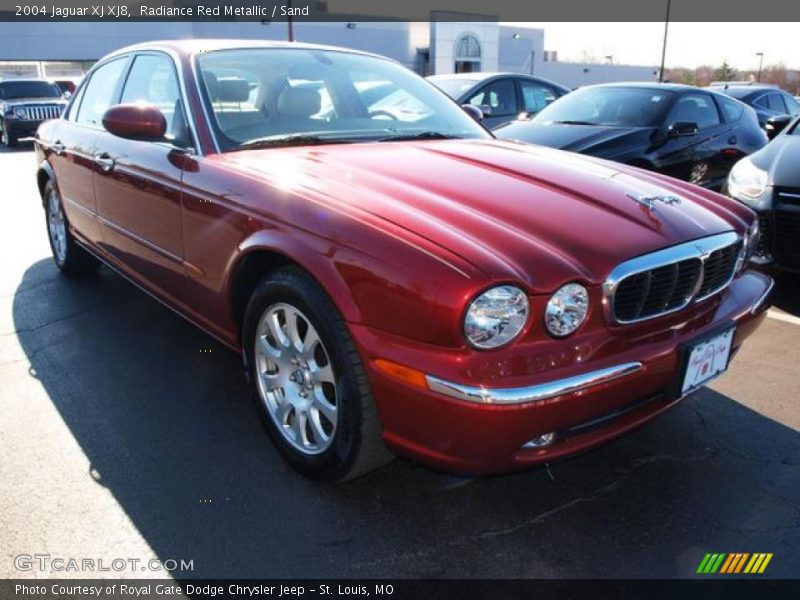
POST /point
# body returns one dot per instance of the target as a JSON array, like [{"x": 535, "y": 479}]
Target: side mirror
[
  {"x": 777, "y": 124},
  {"x": 473, "y": 111},
  {"x": 486, "y": 110},
  {"x": 682, "y": 129},
  {"x": 136, "y": 122}
]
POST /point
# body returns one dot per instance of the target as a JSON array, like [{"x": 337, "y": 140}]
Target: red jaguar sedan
[{"x": 396, "y": 279}]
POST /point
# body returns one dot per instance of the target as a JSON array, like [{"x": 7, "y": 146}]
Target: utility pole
[
  {"x": 664, "y": 47},
  {"x": 760, "y": 64},
  {"x": 289, "y": 20}
]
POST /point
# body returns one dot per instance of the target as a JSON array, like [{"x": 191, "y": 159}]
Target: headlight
[
  {"x": 20, "y": 112},
  {"x": 747, "y": 182},
  {"x": 496, "y": 317},
  {"x": 566, "y": 309},
  {"x": 749, "y": 245}
]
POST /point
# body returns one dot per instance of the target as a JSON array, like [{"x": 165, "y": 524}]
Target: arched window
[{"x": 468, "y": 54}]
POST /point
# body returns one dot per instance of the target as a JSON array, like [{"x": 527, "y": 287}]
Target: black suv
[{"x": 24, "y": 104}]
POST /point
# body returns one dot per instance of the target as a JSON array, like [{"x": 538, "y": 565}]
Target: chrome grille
[
  {"x": 668, "y": 280},
  {"x": 43, "y": 112},
  {"x": 788, "y": 195}
]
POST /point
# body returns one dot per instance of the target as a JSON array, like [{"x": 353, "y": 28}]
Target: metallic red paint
[{"x": 402, "y": 236}]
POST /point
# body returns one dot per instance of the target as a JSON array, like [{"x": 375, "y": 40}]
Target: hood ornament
[{"x": 650, "y": 202}]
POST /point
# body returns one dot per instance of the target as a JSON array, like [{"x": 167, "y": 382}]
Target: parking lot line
[{"x": 782, "y": 316}]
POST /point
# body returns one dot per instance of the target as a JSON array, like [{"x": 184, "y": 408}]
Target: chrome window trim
[
  {"x": 532, "y": 393},
  {"x": 200, "y": 97},
  {"x": 699, "y": 249}
]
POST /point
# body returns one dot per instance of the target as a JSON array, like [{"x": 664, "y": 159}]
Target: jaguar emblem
[{"x": 650, "y": 201}]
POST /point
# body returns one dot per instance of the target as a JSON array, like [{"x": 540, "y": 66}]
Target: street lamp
[
  {"x": 760, "y": 64},
  {"x": 610, "y": 58},
  {"x": 664, "y": 47}
]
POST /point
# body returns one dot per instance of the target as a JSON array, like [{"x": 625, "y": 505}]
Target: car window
[
  {"x": 101, "y": 93},
  {"x": 792, "y": 107},
  {"x": 454, "y": 87},
  {"x": 731, "y": 109},
  {"x": 775, "y": 103},
  {"x": 261, "y": 96},
  {"x": 18, "y": 90},
  {"x": 695, "y": 108},
  {"x": 609, "y": 106},
  {"x": 535, "y": 96},
  {"x": 152, "y": 79},
  {"x": 498, "y": 95}
]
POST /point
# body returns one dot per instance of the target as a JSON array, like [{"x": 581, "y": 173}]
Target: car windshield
[
  {"x": 609, "y": 106},
  {"x": 454, "y": 87},
  {"x": 16, "y": 90},
  {"x": 269, "y": 96}
]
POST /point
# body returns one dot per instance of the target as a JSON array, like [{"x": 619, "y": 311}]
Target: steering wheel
[{"x": 382, "y": 113}]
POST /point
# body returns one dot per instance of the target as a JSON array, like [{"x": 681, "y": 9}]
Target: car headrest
[
  {"x": 212, "y": 85},
  {"x": 299, "y": 102},
  {"x": 233, "y": 90}
]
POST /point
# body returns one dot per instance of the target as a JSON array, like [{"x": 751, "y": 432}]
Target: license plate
[{"x": 707, "y": 359}]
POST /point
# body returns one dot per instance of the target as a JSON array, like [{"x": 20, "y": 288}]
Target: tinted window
[
  {"x": 792, "y": 106},
  {"x": 775, "y": 103},
  {"x": 454, "y": 86},
  {"x": 535, "y": 96},
  {"x": 731, "y": 109},
  {"x": 100, "y": 93},
  {"x": 152, "y": 79},
  {"x": 695, "y": 108},
  {"x": 620, "y": 106},
  {"x": 16, "y": 90},
  {"x": 500, "y": 96}
]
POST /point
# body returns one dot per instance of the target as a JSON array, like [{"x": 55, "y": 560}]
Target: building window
[{"x": 468, "y": 54}]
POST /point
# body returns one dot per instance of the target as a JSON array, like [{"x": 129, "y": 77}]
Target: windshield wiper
[
  {"x": 289, "y": 140},
  {"x": 573, "y": 123},
  {"x": 423, "y": 135}
]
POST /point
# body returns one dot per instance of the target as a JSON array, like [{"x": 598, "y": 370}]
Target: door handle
[
  {"x": 732, "y": 139},
  {"x": 58, "y": 147},
  {"x": 104, "y": 161}
]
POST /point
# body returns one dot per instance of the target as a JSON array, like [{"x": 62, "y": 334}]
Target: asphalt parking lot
[{"x": 125, "y": 432}]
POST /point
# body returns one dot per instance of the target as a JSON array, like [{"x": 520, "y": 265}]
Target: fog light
[{"x": 541, "y": 441}]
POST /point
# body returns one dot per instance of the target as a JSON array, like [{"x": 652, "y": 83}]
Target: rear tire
[
  {"x": 69, "y": 257},
  {"x": 310, "y": 387}
]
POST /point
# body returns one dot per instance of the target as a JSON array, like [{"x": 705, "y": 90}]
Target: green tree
[{"x": 724, "y": 73}]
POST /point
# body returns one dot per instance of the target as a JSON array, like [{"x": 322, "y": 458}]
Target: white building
[{"x": 67, "y": 49}]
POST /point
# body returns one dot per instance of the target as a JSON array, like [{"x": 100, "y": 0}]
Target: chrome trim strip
[
  {"x": 699, "y": 249},
  {"x": 759, "y": 303},
  {"x": 533, "y": 393},
  {"x": 201, "y": 99}
]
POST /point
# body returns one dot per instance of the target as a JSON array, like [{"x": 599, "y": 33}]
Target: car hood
[
  {"x": 512, "y": 210},
  {"x": 596, "y": 140},
  {"x": 780, "y": 159}
]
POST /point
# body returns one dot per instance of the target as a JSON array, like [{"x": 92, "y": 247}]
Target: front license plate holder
[{"x": 704, "y": 359}]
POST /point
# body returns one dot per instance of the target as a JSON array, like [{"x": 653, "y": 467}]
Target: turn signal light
[{"x": 402, "y": 372}]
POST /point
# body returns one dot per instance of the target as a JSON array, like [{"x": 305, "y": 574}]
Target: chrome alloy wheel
[
  {"x": 295, "y": 379},
  {"x": 57, "y": 226}
]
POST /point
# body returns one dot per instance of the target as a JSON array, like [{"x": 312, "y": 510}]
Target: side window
[
  {"x": 792, "y": 106},
  {"x": 535, "y": 96},
  {"x": 695, "y": 108},
  {"x": 100, "y": 93},
  {"x": 500, "y": 96},
  {"x": 731, "y": 109},
  {"x": 152, "y": 79},
  {"x": 775, "y": 103}
]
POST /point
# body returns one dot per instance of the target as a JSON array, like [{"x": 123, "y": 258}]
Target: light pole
[
  {"x": 610, "y": 58},
  {"x": 760, "y": 64},
  {"x": 664, "y": 47}
]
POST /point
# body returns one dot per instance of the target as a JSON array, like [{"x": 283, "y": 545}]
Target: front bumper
[
  {"x": 587, "y": 392},
  {"x": 21, "y": 129}
]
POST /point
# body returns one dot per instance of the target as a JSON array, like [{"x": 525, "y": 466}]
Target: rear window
[{"x": 731, "y": 109}]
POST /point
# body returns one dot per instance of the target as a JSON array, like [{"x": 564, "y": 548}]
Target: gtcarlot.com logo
[{"x": 734, "y": 563}]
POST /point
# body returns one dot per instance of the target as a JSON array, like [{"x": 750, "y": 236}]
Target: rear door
[
  {"x": 73, "y": 147},
  {"x": 138, "y": 183}
]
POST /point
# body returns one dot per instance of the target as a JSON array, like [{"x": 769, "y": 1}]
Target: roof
[
  {"x": 648, "y": 85},
  {"x": 742, "y": 91}
]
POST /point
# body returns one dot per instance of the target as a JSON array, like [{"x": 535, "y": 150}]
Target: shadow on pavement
[
  {"x": 22, "y": 146},
  {"x": 787, "y": 292},
  {"x": 169, "y": 430}
]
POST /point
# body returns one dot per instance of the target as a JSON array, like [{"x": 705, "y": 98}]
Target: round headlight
[
  {"x": 496, "y": 317},
  {"x": 566, "y": 309}
]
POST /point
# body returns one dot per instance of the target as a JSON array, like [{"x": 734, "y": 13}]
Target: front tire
[
  {"x": 69, "y": 257},
  {"x": 310, "y": 386},
  {"x": 9, "y": 139}
]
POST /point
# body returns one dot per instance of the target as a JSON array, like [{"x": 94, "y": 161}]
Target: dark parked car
[
  {"x": 767, "y": 100},
  {"x": 769, "y": 183},
  {"x": 24, "y": 105},
  {"x": 500, "y": 96},
  {"x": 681, "y": 131},
  {"x": 394, "y": 279}
]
